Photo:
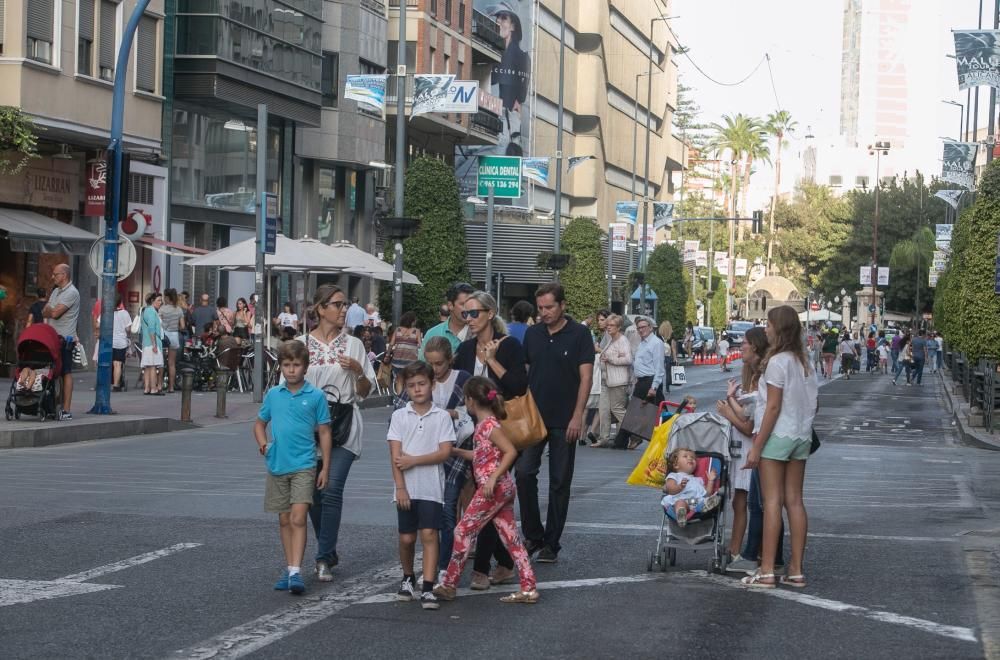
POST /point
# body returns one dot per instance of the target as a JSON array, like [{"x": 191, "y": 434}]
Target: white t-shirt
[
  {"x": 723, "y": 346},
  {"x": 694, "y": 489},
  {"x": 122, "y": 323},
  {"x": 798, "y": 398},
  {"x": 442, "y": 391},
  {"x": 286, "y": 320},
  {"x": 421, "y": 435},
  {"x": 883, "y": 352}
]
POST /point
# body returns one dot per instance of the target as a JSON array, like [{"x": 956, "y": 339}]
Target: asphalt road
[{"x": 157, "y": 546}]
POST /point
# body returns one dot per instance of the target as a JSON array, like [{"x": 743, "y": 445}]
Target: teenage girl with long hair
[{"x": 786, "y": 407}]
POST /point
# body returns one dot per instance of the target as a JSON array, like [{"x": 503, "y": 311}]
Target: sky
[{"x": 727, "y": 39}]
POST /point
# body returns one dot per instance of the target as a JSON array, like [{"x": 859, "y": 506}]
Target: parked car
[
  {"x": 703, "y": 341},
  {"x": 736, "y": 330}
]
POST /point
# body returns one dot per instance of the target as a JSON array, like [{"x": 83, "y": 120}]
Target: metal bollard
[
  {"x": 187, "y": 384},
  {"x": 222, "y": 377}
]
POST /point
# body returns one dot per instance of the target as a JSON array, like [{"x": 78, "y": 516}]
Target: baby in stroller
[{"x": 688, "y": 495}]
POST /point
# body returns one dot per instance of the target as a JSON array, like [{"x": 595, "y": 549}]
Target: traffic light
[{"x": 757, "y": 225}]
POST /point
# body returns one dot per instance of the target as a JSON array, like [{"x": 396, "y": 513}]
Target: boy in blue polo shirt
[{"x": 298, "y": 410}]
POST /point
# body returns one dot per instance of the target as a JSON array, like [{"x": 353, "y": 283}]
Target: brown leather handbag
[{"x": 523, "y": 425}]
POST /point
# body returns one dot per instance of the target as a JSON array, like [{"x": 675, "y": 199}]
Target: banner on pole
[
  {"x": 883, "y": 276},
  {"x": 536, "y": 169},
  {"x": 722, "y": 263},
  {"x": 959, "y": 162},
  {"x": 442, "y": 93},
  {"x": 367, "y": 89},
  {"x": 942, "y": 233},
  {"x": 577, "y": 161},
  {"x": 741, "y": 268},
  {"x": 701, "y": 258},
  {"x": 932, "y": 278},
  {"x": 663, "y": 215},
  {"x": 618, "y": 236},
  {"x": 690, "y": 248},
  {"x": 626, "y": 212},
  {"x": 977, "y": 58},
  {"x": 940, "y": 262},
  {"x": 865, "y": 276},
  {"x": 650, "y": 238},
  {"x": 951, "y": 197}
]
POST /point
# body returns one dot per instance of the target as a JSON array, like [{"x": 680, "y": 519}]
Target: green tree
[
  {"x": 18, "y": 140},
  {"x": 966, "y": 305},
  {"x": 777, "y": 125},
  {"x": 810, "y": 232},
  {"x": 436, "y": 253},
  {"x": 915, "y": 253},
  {"x": 665, "y": 274},
  {"x": 584, "y": 278}
]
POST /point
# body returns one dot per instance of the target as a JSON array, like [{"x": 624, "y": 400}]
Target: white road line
[
  {"x": 953, "y": 632},
  {"x": 542, "y": 586},
  {"x": 265, "y": 630},
  {"x": 859, "y": 458},
  {"x": 819, "y": 535},
  {"x": 127, "y": 563},
  {"x": 15, "y": 592}
]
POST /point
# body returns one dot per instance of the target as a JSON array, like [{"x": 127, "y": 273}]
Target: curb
[
  {"x": 58, "y": 433},
  {"x": 970, "y": 435}
]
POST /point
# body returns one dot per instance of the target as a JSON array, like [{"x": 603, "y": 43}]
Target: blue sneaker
[
  {"x": 296, "y": 585},
  {"x": 282, "y": 583}
]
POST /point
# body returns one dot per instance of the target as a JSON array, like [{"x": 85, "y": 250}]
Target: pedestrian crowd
[{"x": 902, "y": 350}]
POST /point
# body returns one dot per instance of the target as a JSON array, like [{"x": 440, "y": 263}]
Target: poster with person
[{"x": 510, "y": 81}]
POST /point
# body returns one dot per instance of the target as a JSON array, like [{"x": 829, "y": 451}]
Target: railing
[
  {"x": 486, "y": 123},
  {"x": 377, "y": 7},
  {"x": 409, "y": 3},
  {"x": 485, "y": 29}
]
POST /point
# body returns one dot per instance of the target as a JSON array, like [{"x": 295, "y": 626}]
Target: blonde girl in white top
[
  {"x": 786, "y": 407},
  {"x": 339, "y": 366},
  {"x": 615, "y": 360}
]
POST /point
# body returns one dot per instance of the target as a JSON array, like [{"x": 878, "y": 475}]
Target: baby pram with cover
[
  {"x": 36, "y": 388},
  {"x": 707, "y": 434}
]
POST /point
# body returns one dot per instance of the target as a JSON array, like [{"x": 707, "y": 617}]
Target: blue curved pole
[{"x": 113, "y": 191}]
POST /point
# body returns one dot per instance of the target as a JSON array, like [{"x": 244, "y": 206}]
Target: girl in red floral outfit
[{"x": 494, "y": 499}]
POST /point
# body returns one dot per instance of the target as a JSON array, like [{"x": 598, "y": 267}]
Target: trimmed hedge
[
  {"x": 585, "y": 277},
  {"x": 436, "y": 253},
  {"x": 665, "y": 274},
  {"x": 966, "y": 309}
]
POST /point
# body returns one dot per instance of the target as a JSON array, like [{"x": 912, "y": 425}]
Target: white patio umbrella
[
  {"x": 820, "y": 315},
  {"x": 301, "y": 255}
]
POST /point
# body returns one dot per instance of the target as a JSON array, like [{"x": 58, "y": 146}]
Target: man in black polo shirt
[{"x": 560, "y": 356}]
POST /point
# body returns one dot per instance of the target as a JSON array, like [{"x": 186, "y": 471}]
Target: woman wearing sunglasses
[{"x": 491, "y": 353}]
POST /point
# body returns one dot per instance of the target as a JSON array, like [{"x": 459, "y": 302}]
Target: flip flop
[{"x": 796, "y": 581}]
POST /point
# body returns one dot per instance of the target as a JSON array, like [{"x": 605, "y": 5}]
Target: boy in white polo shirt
[{"x": 421, "y": 437}]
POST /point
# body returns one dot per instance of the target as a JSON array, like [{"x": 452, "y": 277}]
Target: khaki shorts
[{"x": 283, "y": 490}]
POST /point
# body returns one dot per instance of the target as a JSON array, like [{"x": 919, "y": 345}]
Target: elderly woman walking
[{"x": 616, "y": 372}]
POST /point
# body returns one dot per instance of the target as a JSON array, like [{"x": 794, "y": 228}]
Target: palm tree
[
  {"x": 916, "y": 251},
  {"x": 755, "y": 149},
  {"x": 778, "y": 125}
]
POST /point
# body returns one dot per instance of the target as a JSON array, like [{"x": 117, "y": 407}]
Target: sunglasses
[
  {"x": 472, "y": 313},
  {"x": 339, "y": 304}
]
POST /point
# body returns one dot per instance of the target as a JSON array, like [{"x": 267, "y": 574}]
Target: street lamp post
[
  {"x": 557, "y": 205},
  {"x": 397, "y": 270},
  {"x": 878, "y": 149},
  {"x": 961, "y": 111}
]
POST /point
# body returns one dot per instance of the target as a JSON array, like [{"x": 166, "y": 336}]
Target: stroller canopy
[
  {"x": 704, "y": 431},
  {"x": 38, "y": 341}
]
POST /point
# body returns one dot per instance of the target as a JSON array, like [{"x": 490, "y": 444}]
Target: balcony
[
  {"x": 486, "y": 32},
  {"x": 409, "y": 3},
  {"x": 486, "y": 123}
]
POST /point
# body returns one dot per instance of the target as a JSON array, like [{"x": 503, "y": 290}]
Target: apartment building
[{"x": 58, "y": 66}]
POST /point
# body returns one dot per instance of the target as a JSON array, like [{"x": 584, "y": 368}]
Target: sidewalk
[
  {"x": 134, "y": 414},
  {"x": 969, "y": 423}
]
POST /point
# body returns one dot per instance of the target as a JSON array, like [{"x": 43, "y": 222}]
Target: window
[
  {"x": 411, "y": 55},
  {"x": 861, "y": 181},
  {"x": 330, "y": 84},
  {"x": 109, "y": 34},
  {"x": 40, "y": 29},
  {"x": 836, "y": 180},
  {"x": 85, "y": 40},
  {"x": 369, "y": 69},
  {"x": 145, "y": 55},
  {"x": 434, "y": 7},
  {"x": 447, "y": 63},
  {"x": 140, "y": 189},
  {"x": 461, "y": 17},
  {"x": 433, "y": 53},
  {"x": 447, "y": 11}
]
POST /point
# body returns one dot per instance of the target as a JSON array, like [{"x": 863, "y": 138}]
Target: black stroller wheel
[{"x": 672, "y": 556}]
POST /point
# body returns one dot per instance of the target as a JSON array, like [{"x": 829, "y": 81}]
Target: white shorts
[
  {"x": 151, "y": 359},
  {"x": 738, "y": 477}
]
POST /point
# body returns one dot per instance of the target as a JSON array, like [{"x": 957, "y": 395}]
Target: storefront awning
[{"x": 33, "y": 232}]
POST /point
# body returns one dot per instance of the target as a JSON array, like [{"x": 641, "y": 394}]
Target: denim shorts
[
  {"x": 782, "y": 448},
  {"x": 423, "y": 514}
]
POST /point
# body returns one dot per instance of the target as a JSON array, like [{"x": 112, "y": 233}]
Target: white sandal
[{"x": 755, "y": 581}]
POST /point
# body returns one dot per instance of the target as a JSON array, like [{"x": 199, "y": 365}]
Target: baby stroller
[
  {"x": 708, "y": 435},
  {"x": 37, "y": 385}
]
